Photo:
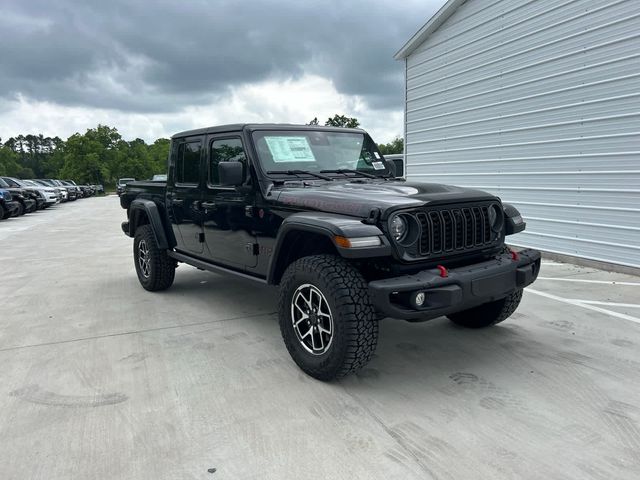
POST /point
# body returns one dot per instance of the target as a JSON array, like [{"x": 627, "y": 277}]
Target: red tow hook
[
  {"x": 443, "y": 271},
  {"x": 514, "y": 255}
]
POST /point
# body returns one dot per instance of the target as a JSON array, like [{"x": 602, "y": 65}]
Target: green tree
[
  {"x": 91, "y": 157},
  {"x": 8, "y": 162},
  {"x": 394, "y": 146},
  {"x": 25, "y": 173},
  {"x": 159, "y": 155},
  {"x": 342, "y": 121}
]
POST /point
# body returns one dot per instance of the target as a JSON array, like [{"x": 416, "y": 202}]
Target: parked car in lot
[
  {"x": 161, "y": 177},
  {"x": 87, "y": 190},
  {"x": 36, "y": 192},
  {"x": 121, "y": 183},
  {"x": 8, "y": 206},
  {"x": 74, "y": 191},
  {"x": 50, "y": 194},
  {"x": 47, "y": 185},
  {"x": 60, "y": 190},
  {"x": 27, "y": 202},
  {"x": 317, "y": 211}
]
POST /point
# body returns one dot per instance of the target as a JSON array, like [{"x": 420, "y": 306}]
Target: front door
[
  {"x": 185, "y": 194},
  {"x": 227, "y": 211}
]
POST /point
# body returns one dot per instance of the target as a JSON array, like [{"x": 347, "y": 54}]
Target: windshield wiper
[
  {"x": 298, "y": 173},
  {"x": 349, "y": 170}
]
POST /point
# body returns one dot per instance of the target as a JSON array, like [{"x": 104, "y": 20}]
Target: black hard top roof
[{"x": 237, "y": 127}]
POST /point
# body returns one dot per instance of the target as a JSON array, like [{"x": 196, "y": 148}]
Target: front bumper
[{"x": 462, "y": 288}]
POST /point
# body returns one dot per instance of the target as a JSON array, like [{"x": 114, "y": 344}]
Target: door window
[
  {"x": 188, "y": 164},
  {"x": 225, "y": 150}
]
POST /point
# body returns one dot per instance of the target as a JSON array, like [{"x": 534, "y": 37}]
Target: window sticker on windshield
[
  {"x": 290, "y": 149},
  {"x": 377, "y": 155},
  {"x": 378, "y": 165}
]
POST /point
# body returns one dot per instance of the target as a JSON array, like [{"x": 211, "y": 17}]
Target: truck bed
[{"x": 143, "y": 189}]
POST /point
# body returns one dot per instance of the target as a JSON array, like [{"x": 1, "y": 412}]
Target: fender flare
[
  {"x": 513, "y": 221},
  {"x": 328, "y": 226},
  {"x": 150, "y": 209}
]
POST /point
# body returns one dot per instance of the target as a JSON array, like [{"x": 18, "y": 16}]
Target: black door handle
[
  {"x": 178, "y": 202},
  {"x": 208, "y": 205}
]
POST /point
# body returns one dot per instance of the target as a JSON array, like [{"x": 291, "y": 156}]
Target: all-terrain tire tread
[
  {"x": 163, "y": 268},
  {"x": 350, "y": 293},
  {"x": 488, "y": 314}
]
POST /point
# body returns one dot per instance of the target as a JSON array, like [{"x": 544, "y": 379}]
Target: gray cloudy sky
[{"x": 151, "y": 68}]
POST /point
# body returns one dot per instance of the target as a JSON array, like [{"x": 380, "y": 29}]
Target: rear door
[{"x": 184, "y": 193}]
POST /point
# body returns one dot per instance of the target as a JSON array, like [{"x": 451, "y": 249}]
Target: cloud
[
  {"x": 149, "y": 58},
  {"x": 267, "y": 101}
]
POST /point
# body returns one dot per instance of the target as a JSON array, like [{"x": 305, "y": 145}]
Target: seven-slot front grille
[{"x": 447, "y": 230}]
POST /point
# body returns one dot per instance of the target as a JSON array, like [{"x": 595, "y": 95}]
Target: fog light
[{"x": 419, "y": 299}]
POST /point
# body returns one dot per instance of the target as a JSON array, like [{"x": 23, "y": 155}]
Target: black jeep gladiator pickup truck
[{"x": 318, "y": 212}]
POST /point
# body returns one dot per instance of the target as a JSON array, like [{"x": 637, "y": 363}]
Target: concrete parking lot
[{"x": 101, "y": 379}]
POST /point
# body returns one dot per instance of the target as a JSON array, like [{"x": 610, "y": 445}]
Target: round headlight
[
  {"x": 495, "y": 217},
  {"x": 398, "y": 228}
]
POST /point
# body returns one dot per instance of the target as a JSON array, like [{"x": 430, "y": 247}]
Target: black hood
[{"x": 358, "y": 198}]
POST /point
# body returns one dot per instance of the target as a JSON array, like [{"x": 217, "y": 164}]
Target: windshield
[
  {"x": 15, "y": 183},
  {"x": 318, "y": 152},
  {"x": 3, "y": 184}
]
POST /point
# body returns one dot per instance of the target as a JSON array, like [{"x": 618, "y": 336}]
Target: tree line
[
  {"x": 101, "y": 155},
  {"x": 394, "y": 146}
]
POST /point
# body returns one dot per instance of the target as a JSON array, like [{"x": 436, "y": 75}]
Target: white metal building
[{"x": 537, "y": 101}]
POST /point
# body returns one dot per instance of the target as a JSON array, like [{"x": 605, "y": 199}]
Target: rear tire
[
  {"x": 156, "y": 270},
  {"x": 324, "y": 303},
  {"x": 2, "y": 212},
  {"x": 488, "y": 314}
]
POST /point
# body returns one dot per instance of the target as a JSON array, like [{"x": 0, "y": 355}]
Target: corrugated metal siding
[{"x": 538, "y": 102}]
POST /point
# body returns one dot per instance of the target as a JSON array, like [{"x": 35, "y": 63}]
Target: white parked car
[{"x": 48, "y": 193}]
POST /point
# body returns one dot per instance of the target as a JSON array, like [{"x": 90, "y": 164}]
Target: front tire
[
  {"x": 326, "y": 318},
  {"x": 155, "y": 269},
  {"x": 488, "y": 314}
]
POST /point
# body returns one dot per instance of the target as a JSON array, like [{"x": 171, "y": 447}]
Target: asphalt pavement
[{"x": 103, "y": 380}]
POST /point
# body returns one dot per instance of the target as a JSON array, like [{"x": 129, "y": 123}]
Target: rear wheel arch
[
  {"x": 138, "y": 217},
  {"x": 145, "y": 212}
]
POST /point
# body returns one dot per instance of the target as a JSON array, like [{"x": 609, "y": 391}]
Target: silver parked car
[{"x": 47, "y": 193}]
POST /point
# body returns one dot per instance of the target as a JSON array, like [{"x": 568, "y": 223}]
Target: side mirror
[
  {"x": 396, "y": 166},
  {"x": 230, "y": 174},
  {"x": 399, "y": 163}
]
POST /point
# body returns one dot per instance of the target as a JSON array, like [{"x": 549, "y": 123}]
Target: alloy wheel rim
[
  {"x": 143, "y": 259},
  {"x": 312, "y": 319}
]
